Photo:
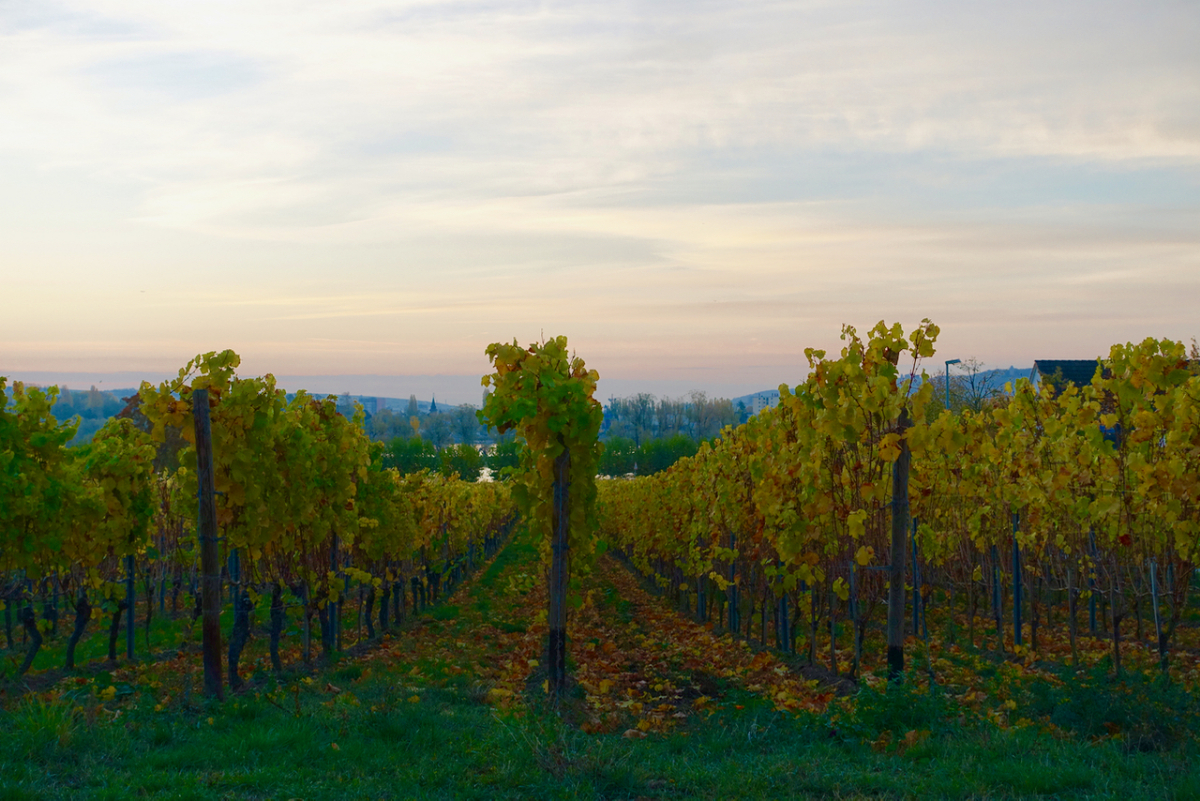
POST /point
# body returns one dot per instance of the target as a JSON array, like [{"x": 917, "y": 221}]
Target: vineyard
[
  {"x": 859, "y": 487},
  {"x": 308, "y": 518},
  {"x": 858, "y": 579}
]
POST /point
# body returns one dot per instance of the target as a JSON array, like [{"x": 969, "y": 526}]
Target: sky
[{"x": 692, "y": 192}]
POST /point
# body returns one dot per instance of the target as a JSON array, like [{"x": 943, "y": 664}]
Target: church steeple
[{"x": 433, "y": 405}]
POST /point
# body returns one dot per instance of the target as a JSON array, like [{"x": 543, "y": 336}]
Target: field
[
  {"x": 451, "y": 705},
  {"x": 856, "y": 593}
]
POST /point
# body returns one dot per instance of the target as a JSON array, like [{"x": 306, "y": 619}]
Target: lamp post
[{"x": 948, "y": 363}]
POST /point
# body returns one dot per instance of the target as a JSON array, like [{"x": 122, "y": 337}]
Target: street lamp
[{"x": 948, "y": 363}]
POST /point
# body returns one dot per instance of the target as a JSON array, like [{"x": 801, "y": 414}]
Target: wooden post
[
  {"x": 1092, "y": 586},
  {"x": 8, "y": 620},
  {"x": 556, "y": 645},
  {"x": 916, "y": 578},
  {"x": 307, "y": 626},
  {"x": 54, "y": 618},
  {"x": 1016, "y": 562},
  {"x": 997, "y": 611},
  {"x": 1072, "y": 613},
  {"x": 162, "y": 573},
  {"x": 734, "y": 621},
  {"x": 241, "y": 619},
  {"x": 854, "y": 611},
  {"x": 1158, "y": 632},
  {"x": 784, "y": 631},
  {"x": 812, "y": 626},
  {"x": 130, "y": 631},
  {"x": 335, "y": 607},
  {"x": 900, "y": 515},
  {"x": 210, "y": 566}
]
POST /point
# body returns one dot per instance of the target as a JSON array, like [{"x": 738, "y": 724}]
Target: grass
[{"x": 377, "y": 738}]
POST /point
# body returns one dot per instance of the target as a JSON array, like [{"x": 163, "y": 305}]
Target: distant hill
[
  {"x": 748, "y": 400},
  {"x": 996, "y": 377},
  {"x": 94, "y": 407},
  {"x": 1007, "y": 374}
]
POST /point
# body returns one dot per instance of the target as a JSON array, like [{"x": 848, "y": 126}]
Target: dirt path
[
  {"x": 641, "y": 663},
  {"x": 635, "y": 665},
  {"x": 486, "y": 635}
]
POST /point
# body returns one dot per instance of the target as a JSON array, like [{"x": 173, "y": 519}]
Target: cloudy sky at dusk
[{"x": 693, "y": 192}]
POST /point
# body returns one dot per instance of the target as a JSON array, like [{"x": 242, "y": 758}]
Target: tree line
[{"x": 643, "y": 417}]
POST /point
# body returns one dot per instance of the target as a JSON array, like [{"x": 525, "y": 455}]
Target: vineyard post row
[
  {"x": 295, "y": 486},
  {"x": 547, "y": 395},
  {"x": 1090, "y": 489},
  {"x": 206, "y": 534}
]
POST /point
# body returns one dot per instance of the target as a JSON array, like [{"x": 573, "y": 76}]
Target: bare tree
[
  {"x": 466, "y": 424},
  {"x": 710, "y": 415},
  {"x": 639, "y": 412},
  {"x": 437, "y": 429},
  {"x": 972, "y": 387},
  {"x": 672, "y": 417},
  {"x": 697, "y": 412},
  {"x": 723, "y": 414}
]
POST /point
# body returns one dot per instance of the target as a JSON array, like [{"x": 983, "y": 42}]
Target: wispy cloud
[{"x": 677, "y": 185}]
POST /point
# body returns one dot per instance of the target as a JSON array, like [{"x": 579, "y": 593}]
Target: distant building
[
  {"x": 1064, "y": 372},
  {"x": 433, "y": 405},
  {"x": 763, "y": 401}
]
